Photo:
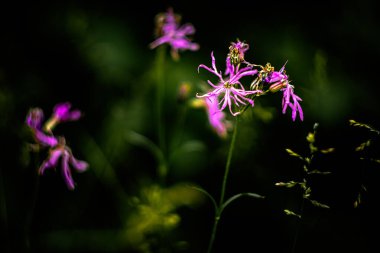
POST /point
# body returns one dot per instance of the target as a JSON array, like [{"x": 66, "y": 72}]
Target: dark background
[{"x": 95, "y": 54}]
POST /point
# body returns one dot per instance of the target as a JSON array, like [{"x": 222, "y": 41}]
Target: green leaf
[
  {"x": 289, "y": 184},
  {"x": 208, "y": 195},
  {"x": 235, "y": 197},
  {"x": 358, "y": 200},
  {"x": 318, "y": 204},
  {"x": 328, "y": 150},
  {"x": 363, "y": 145},
  {"x": 288, "y": 212},
  {"x": 358, "y": 124},
  {"x": 292, "y": 153},
  {"x": 319, "y": 172}
]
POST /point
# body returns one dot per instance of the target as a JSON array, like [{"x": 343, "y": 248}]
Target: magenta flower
[
  {"x": 216, "y": 117},
  {"x": 34, "y": 121},
  {"x": 278, "y": 80},
  {"x": 277, "y": 76},
  {"x": 231, "y": 87},
  {"x": 236, "y": 55},
  {"x": 58, "y": 149},
  {"x": 34, "y": 118},
  {"x": 63, "y": 152},
  {"x": 175, "y": 35},
  {"x": 62, "y": 113},
  {"x": 288, "y": 93}
]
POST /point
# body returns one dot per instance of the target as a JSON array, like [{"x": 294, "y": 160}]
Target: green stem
[
  {"x": 219, "y": 210},
  {"x": 213, "y": 234},
  {"x": 228, "y": 163},
  {"x": 160, "y": 94},
  {"x": 298, "y": 226}
]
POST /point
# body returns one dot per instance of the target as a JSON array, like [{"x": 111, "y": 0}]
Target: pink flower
[
  {"x": 57, "y": 146},
  {"x": 63, "y": 152},
  {"x": 62, "y": 112},
  {"x": 288, "y": 93},
  {"x": 236, "y": 55},
  {"x": 175, "y": 35},
  {"x": 231, "y": 88},
  {"x": 216, "y": 117},
  {"x": 34, "y": 121},
  {"x": 278, "y": 80}
]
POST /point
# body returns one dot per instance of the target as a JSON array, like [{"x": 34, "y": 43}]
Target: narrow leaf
[
  {"x": 318, "y": 204},
  {"x": 358, "y": 124},
  {"x": 328, "y": 150},
  {"x": 289, "y": 184},
  {"x": 288, "y": 212},
  {"x": 319, "y": 172},
  {"x": 207, "y": 194},
  {"x": 235, "y": 197},
  {"x": 292, "y": 153}
]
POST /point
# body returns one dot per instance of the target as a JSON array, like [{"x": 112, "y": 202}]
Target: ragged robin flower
[
  {"x": 64, "y": 152},
  {"x": 279, "y": 81},
  {"x": 230, "y": 87},
  {"x": 173, "y": 34},
  {"x": 62, "y": 113},
  {"x": 288, "y": 93},
  {"x": 216, "y": 117},
  {"x": 34, "y": 121},
  {"x": 236, "y": 54},
  {"x": 43, "y": 135}
]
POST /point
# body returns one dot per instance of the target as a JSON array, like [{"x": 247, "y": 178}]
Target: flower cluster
[
  {"x": 170, "y": 32},
  {"x": 44, "y": 137},
  {"x": 230, "y": 92}
]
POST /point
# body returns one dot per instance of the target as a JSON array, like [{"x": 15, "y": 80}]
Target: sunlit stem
[
  {"x": 160, "y": 69},
  {"x": 219, "y": 210}
]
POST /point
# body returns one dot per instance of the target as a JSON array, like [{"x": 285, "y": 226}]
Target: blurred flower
[
  {"x": 231, "y": 87},
  {"x": 64, "y": 152},
  {"x": 62, "y": 113},
  {"x": 34, "y": 121},
  {"x": 216, "y": 117},
  {"x": 34, "y": 118},
  {"x": 174, "y": 35},
  {"x": 58, "y": 149},
  {"x": 183, "y": 92}
]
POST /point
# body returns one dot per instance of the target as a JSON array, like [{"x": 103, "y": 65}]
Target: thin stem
[
  {"x": 213, "y": 233},
  {"x": 223, "y": 191},
  {"x": 298, "y": 226},
  {"x": 228, "y": 163},
  {"x": 160, "y": 69}
]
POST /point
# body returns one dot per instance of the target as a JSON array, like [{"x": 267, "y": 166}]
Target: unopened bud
[{"x": 278, "y": 86}]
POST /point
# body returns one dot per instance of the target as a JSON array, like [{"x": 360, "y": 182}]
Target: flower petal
[{"x": 66, "y": 173}]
